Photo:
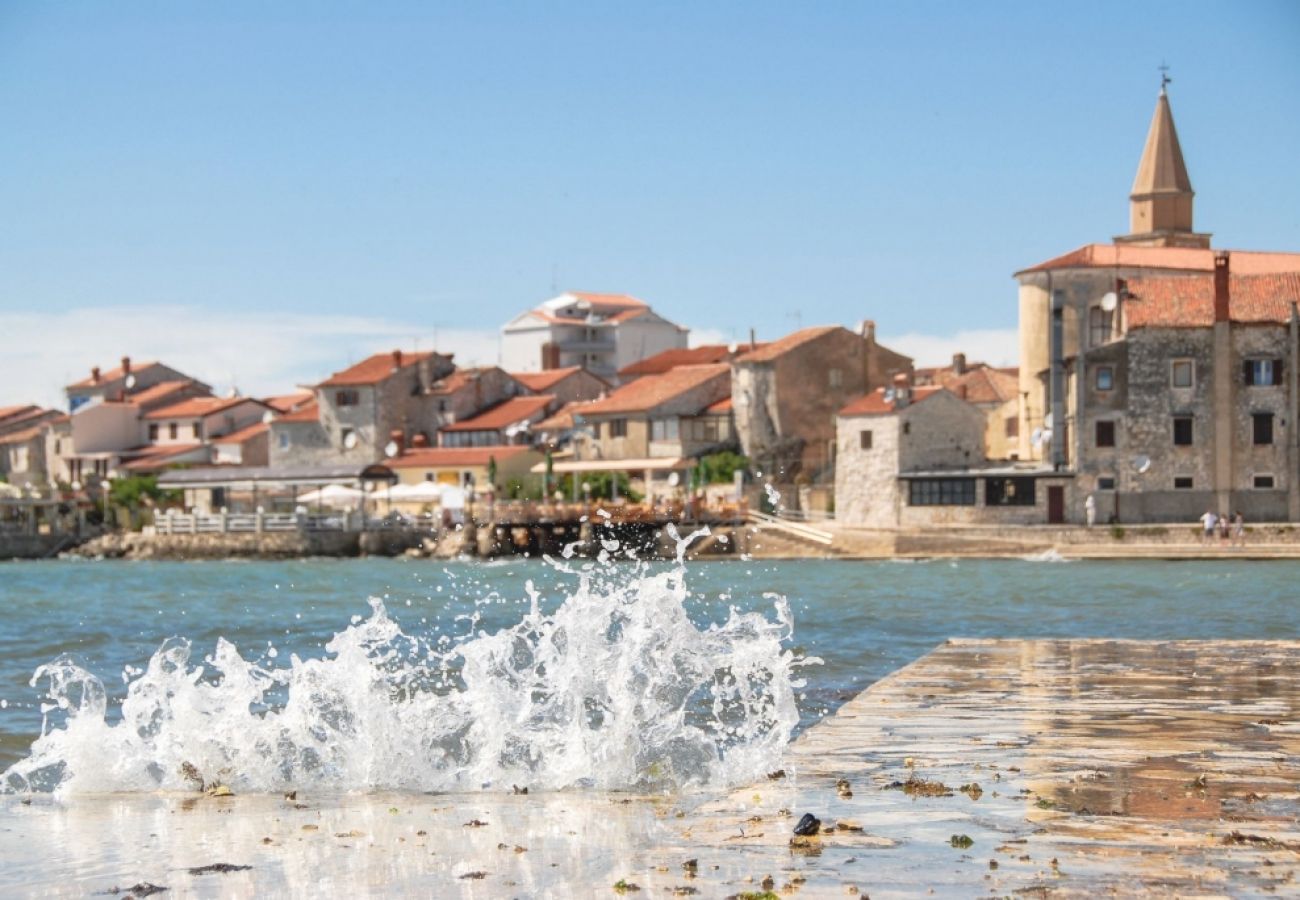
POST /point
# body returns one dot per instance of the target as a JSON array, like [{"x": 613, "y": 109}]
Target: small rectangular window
[
  {"x": 1264, "y": 482},
  {"x": 197, "y": 428},
  {"x": 1105, "y": 434},
  {"x": 346, "y": 398},
  {"x": 1012, "y": 426},
  {"x": 284, "y": 440},
  {"x": 1100, "y": 322},
  {"x": 1008, "y": 492},
  {"x": 1262, "y": 428},
  {"x": 1105, "y": 484},
  {"x": 1262, "y": 372},
  {"x": 1183, "y": 483},
  {"x": 173, "y": 430},
  {"x": 1182, "y": 431},
  {"x": 618, "y": 428},
  {"x": 1105, "y": 378},
  {"x": 835, "y": 378},
  {"x": 864, "y": 439},
  {"x": 1181, "y": 373},
  {"x": 153, "y": 432}
]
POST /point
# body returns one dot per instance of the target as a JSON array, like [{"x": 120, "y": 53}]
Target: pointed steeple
[{"x": 1160, "y": 206}]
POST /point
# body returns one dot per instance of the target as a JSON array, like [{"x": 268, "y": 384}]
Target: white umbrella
[
  {"x": 424, "y": 492},
  {"x": 335, "y": 495},
  {"x": 9, "y": 490}
]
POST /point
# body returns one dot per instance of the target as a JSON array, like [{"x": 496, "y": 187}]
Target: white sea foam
[{"x": 616, "y": 689}]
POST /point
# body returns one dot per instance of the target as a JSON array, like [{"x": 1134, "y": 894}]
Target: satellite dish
[
  {"x": 1141, "y": 463},
  {"x": 733, "y": 347},
  {"x": 674, "y": 479},
  {"x": 350, "y": 440},
  {"x": 390, "y": 449},
  {"x": 1036, "y": 439},
  {"x": 1110, "y": 301},
  {"x": 129, "y": 382},
  {"x": 1047, "y": 422},
  {"x": 889, "y": 395},
  {"x": 1047, "y": 435},
  {"x": 268, "y": 417}
]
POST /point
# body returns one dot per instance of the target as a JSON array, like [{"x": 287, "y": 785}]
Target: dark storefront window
[
  {"x": 1008, "y": 492},
  {"x": 942, "y": 492}
]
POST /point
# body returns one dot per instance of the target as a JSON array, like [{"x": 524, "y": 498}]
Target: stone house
[
  {"x": 888, "y": 434},
  {"x": 786, "y": 395},
  {"x": 248, "y": 446},
  {"x": 598, "y": 332},
  {"x": 705, "y": 354},
  {"x": 385, "y": 399},
  {"x": 1192, "y": 406},
  {"x": 129, "y": 378},
  {"x": 677, "y": 414},
  {"x": 463, "y": 393},
  {"x": 993, "y": 390},
  {"x": 569, "y": 385}
]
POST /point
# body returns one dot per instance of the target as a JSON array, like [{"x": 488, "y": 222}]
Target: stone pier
[{"x": 1066, "y": 768}]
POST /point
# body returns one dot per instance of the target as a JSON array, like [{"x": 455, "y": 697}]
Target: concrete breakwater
[{"x": 269, "y": 545}]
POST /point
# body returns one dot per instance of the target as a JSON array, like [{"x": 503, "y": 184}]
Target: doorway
[{"x": 1056, "y": 504}]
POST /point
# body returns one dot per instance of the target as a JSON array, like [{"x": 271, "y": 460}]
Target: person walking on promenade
[
  {"x": 1239, "y": 529},
  {"x": 1208, "y": 521},
  {"x": 1090, "y": 510}
]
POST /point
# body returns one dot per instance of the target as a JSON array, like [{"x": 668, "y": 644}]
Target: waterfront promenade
[{"x": 1064, "y": 768}]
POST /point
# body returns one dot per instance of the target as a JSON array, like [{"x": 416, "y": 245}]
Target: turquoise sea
[{"x": 862, "y": 619}]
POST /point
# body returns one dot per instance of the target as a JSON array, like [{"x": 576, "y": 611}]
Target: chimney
[
  {"x": 398, "y": 437},
  {"x": 902, "y": 390},
  {"x": 753, "y": 342},
  {"x": 126, "y": 366},
  {"x": 1221, "y": 292},
  {"x": 397, "y": 360},
  {"x": 869, "y": 331},
  {"x": 94, "y": 374},
  {"x": 420, "y": 439},
  {"x": 959, "y": 363}
]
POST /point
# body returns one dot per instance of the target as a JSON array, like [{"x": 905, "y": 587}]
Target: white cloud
[
  {"x": 260, "y": 352},
  {"x": 995, "y": 346}
]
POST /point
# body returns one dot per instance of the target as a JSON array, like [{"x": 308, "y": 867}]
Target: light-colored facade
[
  {"x": 598, "y": 332},
  {"x": 657, "y": 416},
  {"x": 466, "y": 466}
]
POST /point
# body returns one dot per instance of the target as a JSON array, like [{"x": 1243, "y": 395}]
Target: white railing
[
  {"x": 802, "y": 532},
  {"x": 253, "y": 523}
]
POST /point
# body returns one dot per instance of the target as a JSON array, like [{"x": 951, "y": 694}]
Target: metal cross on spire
[{"x": 1164, "y": 75}]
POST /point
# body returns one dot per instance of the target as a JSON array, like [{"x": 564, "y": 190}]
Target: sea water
[{"x": 421, "y": 675}]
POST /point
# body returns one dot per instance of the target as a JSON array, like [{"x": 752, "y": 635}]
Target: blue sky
[{"x": 406, "y": 171}]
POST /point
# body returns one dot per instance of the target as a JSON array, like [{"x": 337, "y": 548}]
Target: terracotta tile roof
[
  {"x": 541, "y": 382},
  {"x": 197, "y": 407},
  {"x": 685, "y": 356},
  {"x": 985, "y": 385},
  {"x": 308, "y": 412},
  {"x": 722, "y": 406},
  {"x": 1188, "y": 301},
  {"x": 1091, "y": 256},
  {"x": 625, "y": 300},
  {"x": 438, "y": 457},
  {"x": 248, "y": 432},
  {"x": 7, "y": 411},
  {"x": 23, "y": 436},
  {"x": 146, "y": 459},
  {"x": 562, "y": 420},
  {"x": 459, "y": 379},
  {"x": 372, "y": 369},
  {"x": 775, "y": 349},
  {"x": 505, "y": 414},
  {"x": 648, "y": 393},
  {"x": 874, "y": 404},
  {"x": 162, "y": 390},
  {"x": 16, "y": 415},
  {"x": 111, "y": 375},
  {"x": 284, "y": 403}
]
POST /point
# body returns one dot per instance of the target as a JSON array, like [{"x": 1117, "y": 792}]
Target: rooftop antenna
[{"x": 1164, "y": 76}]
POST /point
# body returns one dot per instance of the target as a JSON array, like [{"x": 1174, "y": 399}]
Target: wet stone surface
[{"x": 987, "y": 768}]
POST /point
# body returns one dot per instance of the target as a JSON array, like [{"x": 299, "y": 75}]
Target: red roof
[
  {"x": 246, "y": 433},
  {"x": 505, "y": 414},
  {"x": 459, "y": 379},
  {"x": 111, "y": 375},
  {"x": 441, "y": 457},
  {"x": 373, "y": 369},
  {"x": 308, "y": 412},
  {"x": 624, "y": 300},
  {"x": 541, "y": 382},
  {"x": 198, "y": 407},
  {"x": 16, "y": 415},
  {"x": 874, "y": 404},
  {"x": 1188, "y": 301},
  {"x": 23, "y": 436},
  {"x": 1194, "y": 259},
  {"x": 162, "y": 390},
  {"x": 645, "y": 394},
  {"x": 685, "y": 356},
  {"x": 284, "y": 403},
  {"x": 769, "y": 352},
  {"x": 722, "y": 406},
  {"x": 146, "y": 459},
  {"x": 7, "y": 411}
]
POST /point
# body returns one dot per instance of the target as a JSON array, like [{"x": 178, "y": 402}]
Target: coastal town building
[
  {"x": 1137, "y": 368},
  {"x": 247, "y": 446},
  {"x": 681, "y": 413},
  {"x": 705, "y": 354},
  {"x": 992, "y": 390},
  {"x": 128, "y": 379},
  {"x": 786, "y": 394},
  {"x": 567, "y": 385},
  {"x": 22, "y": 443},
  {"x": 509, "y": 422},
  {"x": 467, "y": 467},
  {"x": 598, "y": 332}
]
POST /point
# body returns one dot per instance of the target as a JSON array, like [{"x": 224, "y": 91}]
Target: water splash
[{"x": 615, "y": 689}]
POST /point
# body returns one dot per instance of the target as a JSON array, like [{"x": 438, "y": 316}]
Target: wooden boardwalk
[{"x": 1064, "y": 768}]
